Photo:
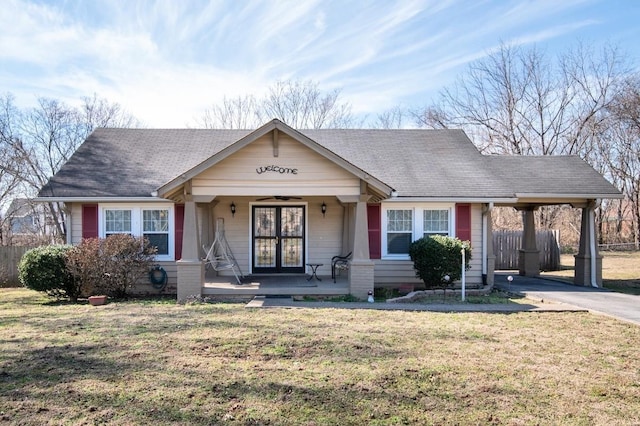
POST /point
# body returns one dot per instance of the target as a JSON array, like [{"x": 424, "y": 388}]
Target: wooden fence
[
  {"x": 9, "y": 258},
  {"x": 506, "y": 246}
]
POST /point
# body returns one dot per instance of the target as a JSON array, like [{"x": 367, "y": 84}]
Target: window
[
  {"x": 153, "y": 222},
  {"x": 117, "y": 222},
  {"x": 23, "y": 225},
  {"x": 436, "y": 222},
  {"x": 399, "y": 231},
  {"x": 403, "y": 224},
  {"x": 155, "y": 227}
]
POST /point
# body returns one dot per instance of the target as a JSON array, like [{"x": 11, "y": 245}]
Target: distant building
[{"x": 27, "y": 224}]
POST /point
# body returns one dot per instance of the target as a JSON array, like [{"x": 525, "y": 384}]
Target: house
[
  {"x": 290, "y": 198},
  {"x": 27, "y": 223}
]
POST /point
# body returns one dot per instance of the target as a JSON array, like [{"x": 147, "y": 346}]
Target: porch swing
[{"x": 219, "y": 256}]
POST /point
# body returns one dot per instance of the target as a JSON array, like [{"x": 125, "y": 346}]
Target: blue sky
[{"x": 166, "y": 61}]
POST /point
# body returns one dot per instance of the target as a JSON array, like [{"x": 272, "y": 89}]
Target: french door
[{"x": 278, "y": 239}]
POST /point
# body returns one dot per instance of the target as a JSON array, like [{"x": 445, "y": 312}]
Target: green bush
[
  {"x": 438, "y": 256},
  {"x": 111, "y": 265},
  {"x": 44, "y": 269}
]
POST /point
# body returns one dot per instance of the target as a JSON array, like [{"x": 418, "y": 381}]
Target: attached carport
[{"x": 556, "y": 180}]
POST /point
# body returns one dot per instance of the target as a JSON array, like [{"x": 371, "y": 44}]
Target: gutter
[
  {"x": 100, "y": 199},
  {"x": 473, "y": 200}
]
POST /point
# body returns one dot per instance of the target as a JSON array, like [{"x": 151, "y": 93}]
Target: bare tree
[
  {"x": 524, "y": 102},
  {"x": 300, "y": 104},
  {"x": 10, "y": 166},
  {"x": 393, "y": 118},
  {"x": 233, "y": 113},
  {"x": 43, "y": 138},
  {"x": 620, "y": 148},
  {"x": 518, "y": 101}
]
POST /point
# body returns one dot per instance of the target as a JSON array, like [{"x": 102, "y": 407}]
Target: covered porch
[{"x": 338, "y": 228}]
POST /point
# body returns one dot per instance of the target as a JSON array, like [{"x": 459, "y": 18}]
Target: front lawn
[{"x": 161, "y": 363}]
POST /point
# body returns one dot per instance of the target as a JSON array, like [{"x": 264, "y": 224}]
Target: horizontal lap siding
[
  {"x": 237, "y": 175},
  {"x": 76, "y": 223},
  {"x": 475, "y": 273},
  {"x": 144, "y": 286},
  {"x": 325, "y": 233},
  {"x": 390, "y": 272}
]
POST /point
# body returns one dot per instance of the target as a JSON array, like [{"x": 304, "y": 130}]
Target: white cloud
[{"x": 166, "y": 63}]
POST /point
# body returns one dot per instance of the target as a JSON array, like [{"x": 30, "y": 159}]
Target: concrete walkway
[{"x": 618, "y": 305}]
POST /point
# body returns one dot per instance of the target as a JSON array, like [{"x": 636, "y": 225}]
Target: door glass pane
[
  {"x": 291, "y": 222},
  {"x": 265, "y": 224},
  {"x": 291, "y": 252},
  {"x": 264, "y": 253}
]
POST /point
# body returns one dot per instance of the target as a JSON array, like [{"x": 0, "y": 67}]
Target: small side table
[{"x": 314, "y": 268}]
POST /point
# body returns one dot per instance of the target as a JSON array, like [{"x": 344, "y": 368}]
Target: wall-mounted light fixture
[
  {"x": 233, "y": 209},
  {"x": 324, "y": 209}
]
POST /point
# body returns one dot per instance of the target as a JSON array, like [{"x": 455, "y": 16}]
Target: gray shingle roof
[
  {"x": 415, "y": 162},
  {"x": 558, "y": 175}
]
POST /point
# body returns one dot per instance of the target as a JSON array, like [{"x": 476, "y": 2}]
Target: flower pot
[{"x": 97, "y": 300}]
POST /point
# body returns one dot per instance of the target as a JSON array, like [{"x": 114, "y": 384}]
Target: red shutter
[
  {"x": 375, "y": 231},
  {"x": 89, "y": 221},
  {"x": 463, "y": 222},
  {"x": 179, "y": 225}
]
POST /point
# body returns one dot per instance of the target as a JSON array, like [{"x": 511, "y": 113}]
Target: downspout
[
  {"x": 485, "y": 240},
  {"x": 68, "y": 220},
  {"x": 592, "y": 243}
]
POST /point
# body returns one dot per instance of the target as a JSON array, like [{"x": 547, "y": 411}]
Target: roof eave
[
  {"x": 473, "y": 200},
  {"x": 547, "y": 196},
  {"x": 101, "y": 199}
]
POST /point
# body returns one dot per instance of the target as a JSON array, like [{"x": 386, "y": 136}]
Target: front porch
[{"x": 275, "y": 285}]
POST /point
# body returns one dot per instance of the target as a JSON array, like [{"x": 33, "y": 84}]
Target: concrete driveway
[{"x": 622, "y": 306}]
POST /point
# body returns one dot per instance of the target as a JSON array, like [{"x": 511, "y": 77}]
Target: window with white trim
[
  {"x": 150, "y": 221},
  {"x": 399, "y": 231},
  {"x": 155, "y": 227},
  {"x": 403, "y": 224},
  {"x": 117, "y": 221},
  {"x": 435, "y": 222}
]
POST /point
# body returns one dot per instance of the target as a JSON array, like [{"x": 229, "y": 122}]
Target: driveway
[{"x": 622, "y": 306}]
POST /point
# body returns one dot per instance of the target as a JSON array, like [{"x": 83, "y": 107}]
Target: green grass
[{"x": 146, "y": 362}]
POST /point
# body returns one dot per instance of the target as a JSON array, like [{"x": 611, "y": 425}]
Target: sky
[{"x": 165, "y": 62}]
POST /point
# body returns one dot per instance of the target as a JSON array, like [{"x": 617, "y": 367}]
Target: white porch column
[
  {"x": 529, "y": 260},
  {"x": 588, "y": 262},
  {"x": 361, "y": 271},
  {"x": 190, "y": 267}
]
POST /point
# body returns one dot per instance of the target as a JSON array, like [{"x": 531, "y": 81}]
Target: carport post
[
  {"x": 529, "y": 260},
  {"x": 588, "y": 262}
]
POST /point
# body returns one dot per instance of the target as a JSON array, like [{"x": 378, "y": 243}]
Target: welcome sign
[{"x": 276, "y": 169}]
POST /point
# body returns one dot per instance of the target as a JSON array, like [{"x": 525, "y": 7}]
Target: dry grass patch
[
  {"x": 620, "y": 270},
  {"x": 160, "y": 363}
]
